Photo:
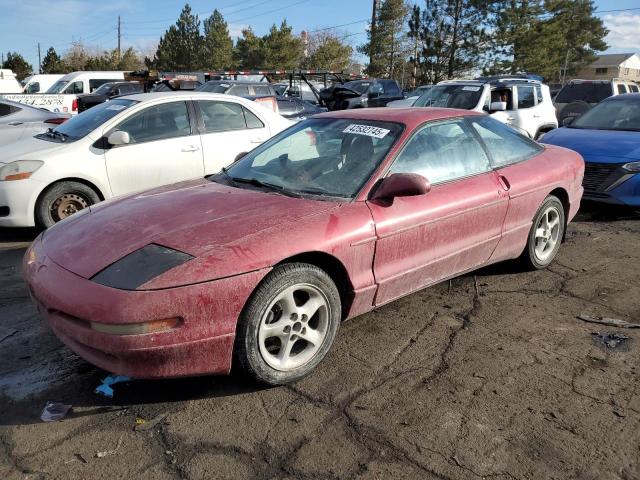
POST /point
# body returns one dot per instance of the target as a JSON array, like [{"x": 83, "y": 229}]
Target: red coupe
[{"x": 257, "y": 265}]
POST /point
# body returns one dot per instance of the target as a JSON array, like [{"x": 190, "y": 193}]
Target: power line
[
  {"x": 618, "y": 10},
  {"x": 271, "y": 11}
]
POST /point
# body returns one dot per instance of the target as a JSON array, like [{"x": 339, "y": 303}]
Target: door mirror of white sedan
[
  {"x": 119, "y": 138},
  {"x": 498, "y": 106},
  {"x": 401, "y": 185}
]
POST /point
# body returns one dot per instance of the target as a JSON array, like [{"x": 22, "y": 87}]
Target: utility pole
[
  {"x": 373, "y": 30},
  {"x": 39, "y": 60},
  {"x": 119, "y": 38}
]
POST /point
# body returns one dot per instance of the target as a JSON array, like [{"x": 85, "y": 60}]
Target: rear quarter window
[{"x": 8, "y": 109}]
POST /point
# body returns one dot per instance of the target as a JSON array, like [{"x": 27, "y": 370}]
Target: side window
[
  {"x": 221, "y": 116},
  {"x": 634, "y": 88},
  {"x": 525, "y": 96},
  {"x": 391, "y": 88},
  {"x": 442, "y": 152},
  {"x": 376, "y": 88},
  {"x": 95, "y": 83},
  {"x": 539, "y": 94},
  {"x": 261, "y": 91},
  {"x": 505, "y": 145},
  {"x": 239, "y": 90},
  {"x": 75, "y": 87},
  {"x": 158, "y": 122},
  {"x": 621, "y": 88},
  {"x": 252, "y": 120},
  {"x": 8, "y": 109}
]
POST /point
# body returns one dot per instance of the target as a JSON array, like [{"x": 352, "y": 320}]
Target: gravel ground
[{"x": 505, "y": 382}]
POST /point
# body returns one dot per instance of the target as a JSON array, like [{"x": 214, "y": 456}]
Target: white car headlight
[
  {"x": 632, "y": 167},
  {"x": 19, "y": 170}
]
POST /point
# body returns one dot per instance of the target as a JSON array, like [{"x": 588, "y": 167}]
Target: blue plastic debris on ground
[{"x": 105, "y": 388}]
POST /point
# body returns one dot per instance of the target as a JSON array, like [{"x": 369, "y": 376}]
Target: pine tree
[
  {"x": 386, "y": 39},
  {"x": 282, "y": 50},
  {"x": 180, "y": 48},
  {"x": 249, "y": 51},
  {"x": 52, "y": 63},
  {"x": 218, "y": 46},
  {"x": 16, "y": 62},
  {"x": 327, "y": 51}
]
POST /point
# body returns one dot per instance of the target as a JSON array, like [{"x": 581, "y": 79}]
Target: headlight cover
[
  {"x": 140, "y": 266},
  {"x": 19, "y": 170},
  {"x": 632, "y": 167}
]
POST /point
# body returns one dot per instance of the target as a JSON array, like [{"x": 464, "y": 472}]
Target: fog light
[{"x": 155, "y": 326}]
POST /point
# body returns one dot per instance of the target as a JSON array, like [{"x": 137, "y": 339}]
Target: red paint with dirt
[{"x": 386, "y": 249}]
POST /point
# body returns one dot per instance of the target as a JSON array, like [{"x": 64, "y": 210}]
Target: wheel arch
[
  {"x": 334, "y": 268},
  {"x": 89, "y": 184},
  {"x": 563, "y": 196}
]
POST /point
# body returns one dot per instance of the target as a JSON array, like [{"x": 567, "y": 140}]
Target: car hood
[
  {"x": 194, "y": 217},
  {"x": 604, "y": 146},
  {"x": 29, "y": 148}
]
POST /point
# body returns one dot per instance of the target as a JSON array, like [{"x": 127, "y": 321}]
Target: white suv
[{"x": 522, "y": 103}]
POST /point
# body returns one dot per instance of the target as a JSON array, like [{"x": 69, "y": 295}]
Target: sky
[{"x": 58, "y": 23}]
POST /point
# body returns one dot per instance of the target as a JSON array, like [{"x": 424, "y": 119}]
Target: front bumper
[
  {"x": 19, "y": 197},
  {"x": 202, "y": 344},
  {"x": 609, "y": 183}
]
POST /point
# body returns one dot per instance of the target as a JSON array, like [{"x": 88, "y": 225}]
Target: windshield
[
  {"x": 89, "y": 120},
  {"x": 611, "y": 115},
  {"x": 465, "y": 97},
  {"x": 331, "y": 157},
  {"x": 587, "y": 92},
  {"x": 58, "y": 86},
  {"x": 359, "y": 87},
  {"x": 104, "y": 88},
  {"x": 280, "y": 88},
  {"x": 214, "y": 87}
]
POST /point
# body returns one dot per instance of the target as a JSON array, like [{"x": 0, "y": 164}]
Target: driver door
[
  {"x": 162, "y": 150},
  {"x": 454, "y": 228}
]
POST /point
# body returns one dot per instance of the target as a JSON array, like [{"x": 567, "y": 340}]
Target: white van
[
  {"x": 61, "y": 97},
  {"x": 8, "y": 82},
  {"x": 40, "y": 83}
]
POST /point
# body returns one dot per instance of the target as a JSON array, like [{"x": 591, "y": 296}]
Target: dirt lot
[{"x": 442, "y": 384}]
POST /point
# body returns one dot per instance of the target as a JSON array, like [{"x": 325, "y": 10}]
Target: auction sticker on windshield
[
  {"x": 470, "y": 89},
  {"x": 116, "y": 107},
  {"x": 367, "y": 130}
]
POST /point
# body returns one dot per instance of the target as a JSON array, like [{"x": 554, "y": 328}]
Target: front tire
[
  {"x": 288, "y": 325},
  {"x": 62, "y": 200},
  {"x": 546, "y": 234}
]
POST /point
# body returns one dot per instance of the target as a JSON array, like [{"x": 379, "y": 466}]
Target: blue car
[{"x": 608, "y": 138}]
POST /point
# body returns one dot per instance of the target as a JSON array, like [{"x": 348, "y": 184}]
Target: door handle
[
  {"x": 190, "y": 148},
  {"x": 536, "y": 115},
  {"x": 504, "y": 182},
  {"x": 256, "y": 140},
  {"x": 511, "y": 119},
  {"x": 14, "y": 124}
]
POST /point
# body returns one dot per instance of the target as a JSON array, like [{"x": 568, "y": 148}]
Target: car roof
[
  {"x": 177, "y": 94},
  {"x": 410, "y": 116},
  {"x": 634, "y": 97}
]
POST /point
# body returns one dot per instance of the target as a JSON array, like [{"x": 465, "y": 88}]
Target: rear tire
[
  {"x": 61, "y": 200},
  {"x": 546, "y": 234},
  {"x": 288, "y": 325}
]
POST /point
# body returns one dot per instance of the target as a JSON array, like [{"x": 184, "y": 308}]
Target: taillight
[
  {"x": 74, "y": 105},
  {"x": 56, "y": 121}
]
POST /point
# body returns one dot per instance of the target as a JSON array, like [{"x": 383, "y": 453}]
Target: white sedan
[{"x": 125, "y": 145}]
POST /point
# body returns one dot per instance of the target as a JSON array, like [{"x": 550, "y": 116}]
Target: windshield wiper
[
  {"x": 53, "y": 134},
  {"x": 256, "y": 182}
]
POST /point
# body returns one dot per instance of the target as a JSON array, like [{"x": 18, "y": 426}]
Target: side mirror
[
  {"x": 114, "y": 93},
  {"x": 119, "y": 138},
  {"x": 498, "y": 106},
  {"x": 566, "y": 121},
  {"x": 401, "y": 185},
  {"x": 374, "y": 94}
]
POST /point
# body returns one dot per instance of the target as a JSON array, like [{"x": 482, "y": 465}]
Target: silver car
[{"x": 18, "y": 120}]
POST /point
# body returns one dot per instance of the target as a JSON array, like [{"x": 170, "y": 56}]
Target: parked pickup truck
[{"x": 62, "y": 96}]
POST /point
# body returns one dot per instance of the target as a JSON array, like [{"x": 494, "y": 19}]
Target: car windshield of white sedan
[
  {"x": 326, "y": 157},
  {"x": 611, "y": 115},
  {"x": 84, "y": 123},
  {"x": 465, "y": 97}
]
